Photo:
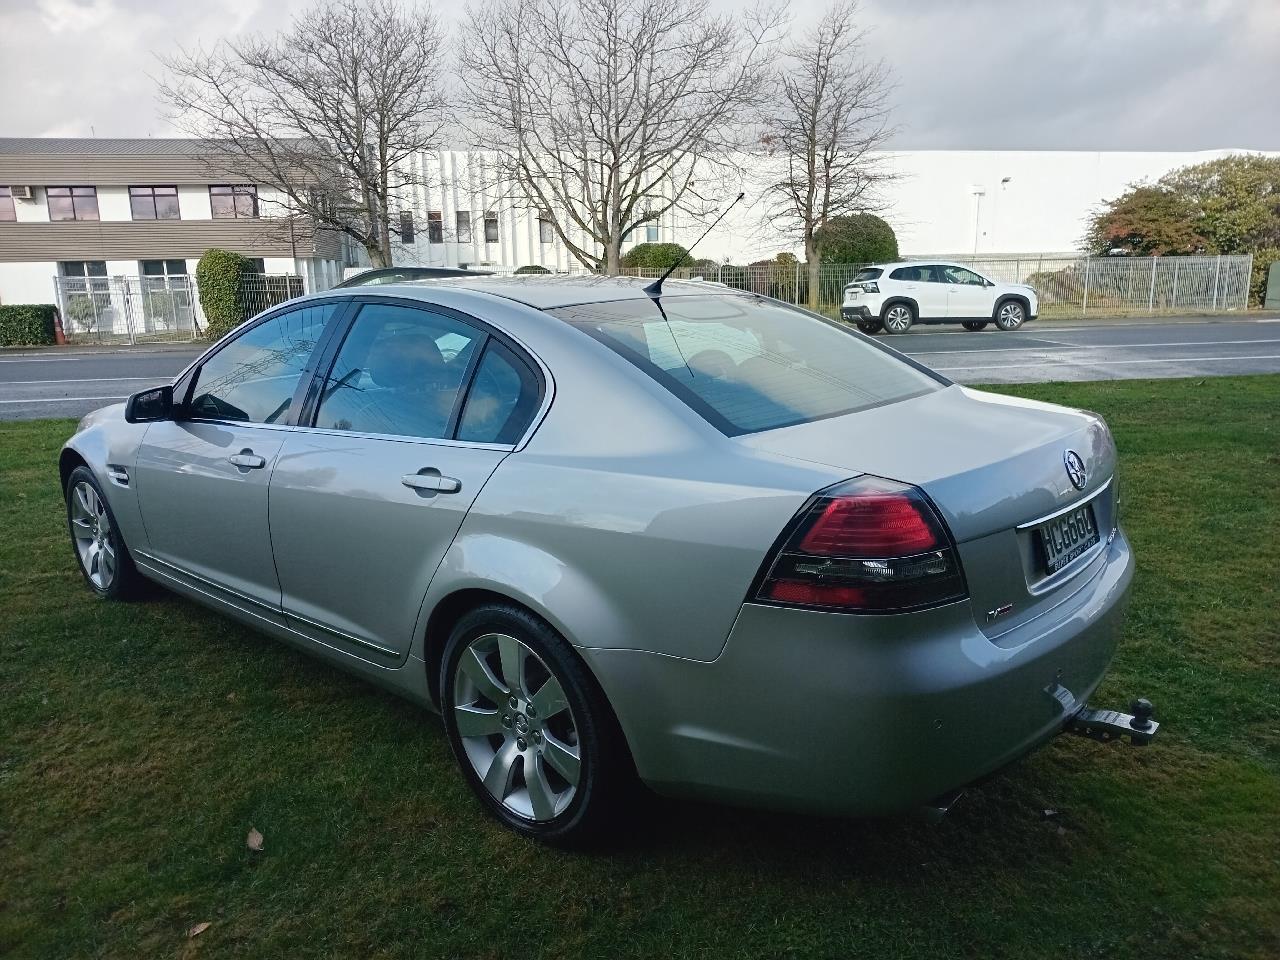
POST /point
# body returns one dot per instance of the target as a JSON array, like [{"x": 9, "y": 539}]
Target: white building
[{"x": 953, "y": 202}]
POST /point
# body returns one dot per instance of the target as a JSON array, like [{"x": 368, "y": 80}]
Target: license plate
[{"x": 1066, "y": 537}]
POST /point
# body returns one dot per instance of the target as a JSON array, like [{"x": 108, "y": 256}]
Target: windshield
[{"x": 747, "y": 364}]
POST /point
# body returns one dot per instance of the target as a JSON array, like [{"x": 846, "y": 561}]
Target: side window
[
  {"x": 398, "y": 372},
  {"x": 253, "y": 377},
  {"x": 503, "y": 398},
  {"x": 961, "y": 275}
]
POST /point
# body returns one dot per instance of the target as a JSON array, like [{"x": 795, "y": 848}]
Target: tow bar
[{"x": 1108, "y": 725}]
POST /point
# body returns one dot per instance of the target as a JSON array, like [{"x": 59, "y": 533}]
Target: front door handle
[
  {"x": 246, "y": 459},
  {"x": 430, "y": 481}
]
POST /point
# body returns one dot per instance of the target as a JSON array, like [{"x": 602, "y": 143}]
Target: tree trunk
[
  {"x": 373, "y": 247},
  {"x": 814, "y": 267},
  {"x": 613, "y": 257}
]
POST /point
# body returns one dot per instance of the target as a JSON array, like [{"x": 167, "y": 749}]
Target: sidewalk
[{"x": 91, "y": 349}]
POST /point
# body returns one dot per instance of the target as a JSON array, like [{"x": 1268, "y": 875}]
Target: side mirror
[{"x": 150, "y": 405}]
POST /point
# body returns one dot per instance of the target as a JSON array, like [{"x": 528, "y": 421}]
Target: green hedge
[
  {"x": 529, "y": 268},
  {"x": 27, "y": 324},
  {"x": 218, "y": 279}
]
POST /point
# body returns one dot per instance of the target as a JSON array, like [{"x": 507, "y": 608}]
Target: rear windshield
[
  {"x": 868, "y": 273},
  {"x": 747, "y": 364}
]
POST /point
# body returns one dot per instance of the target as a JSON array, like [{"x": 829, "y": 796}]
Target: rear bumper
[
  {"x": 862, "y": 715},
  {"x": 855, "y": 314}
]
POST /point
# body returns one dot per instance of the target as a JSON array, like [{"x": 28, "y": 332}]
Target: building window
[
  {"x": 651, "y": 233},
  {"x": 462, "y": 226},
  {"x": 435, "y": 227},
  {"x": 154, "y": 203},
  {"x": 236, "y": 202},
  {"x": 490, "y": 228},
  {"x": 546, "y": 230},
  {"x": 7, "y": 212},
  {"x": 82, "y": 269},
  {"x": 72, "y": 203},
  {"x": 406, "y": 226},
  {"x": 163, "y": 268}
]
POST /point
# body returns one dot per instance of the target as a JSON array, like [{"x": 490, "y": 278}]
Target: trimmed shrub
[
  {"x": 218, "y": 280},
  {"x": 861, "y": 238},
  {"x": 652, "y": 256},
  {"x": 27, "y": 324},
  {"x": 530, "y": 268}
]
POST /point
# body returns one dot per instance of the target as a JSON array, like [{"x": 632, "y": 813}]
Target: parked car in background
[
  {"x": 696, "y": 536},
  {"x": 379, "y": 276},
  {"x": 894, "y": 296}
]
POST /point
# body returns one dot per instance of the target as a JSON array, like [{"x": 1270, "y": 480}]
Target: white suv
[{"x": 893, "y": 296}]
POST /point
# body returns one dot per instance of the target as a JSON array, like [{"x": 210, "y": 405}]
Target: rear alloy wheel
[
  {"x": 104, "y": 559},
  {"x": 974, "y": 325},
  {"x": 870, "y": 327},
  {"x": 898, "y": 318},
  {"x": 534, "y": 736},
  {"x": 1010, "y": 315}
]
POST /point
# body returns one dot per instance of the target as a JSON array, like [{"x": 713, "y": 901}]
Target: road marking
[
  {"x": 1099, "y": 346},
  {"x": 63, "y": 399},
  {"x": 1109, "y": 363},
  {"x": 16, "y": 383}
]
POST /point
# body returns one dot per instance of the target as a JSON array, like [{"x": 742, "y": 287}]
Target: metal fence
[
  {"x": 142, "y": 309},
  {"x": 1067, "y": 286}
]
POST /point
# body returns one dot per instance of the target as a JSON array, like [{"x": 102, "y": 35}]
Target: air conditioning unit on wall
[{"x": 20, "y": 193}]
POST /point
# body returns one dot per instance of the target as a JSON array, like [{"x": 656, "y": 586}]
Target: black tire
[
  {"x": 1010, "y": 314},
  {"x": 870, "y": 327},
  {"x": 604, "y": 773},
  {"x": 974, "y": 325},
  {"x": 898, "y": 317},
  {"x": 96, "y": 549}
]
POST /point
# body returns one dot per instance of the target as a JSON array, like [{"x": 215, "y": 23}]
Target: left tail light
[{"x": 868, "y": 545}]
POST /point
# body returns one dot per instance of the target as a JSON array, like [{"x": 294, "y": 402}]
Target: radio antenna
[{"x": 655, "y": 289}]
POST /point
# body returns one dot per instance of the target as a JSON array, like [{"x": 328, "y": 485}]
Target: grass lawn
[{"x": 139, "y": 744}]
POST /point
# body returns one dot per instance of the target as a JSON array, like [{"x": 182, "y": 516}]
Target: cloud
[{"x": 979, "y": 74}]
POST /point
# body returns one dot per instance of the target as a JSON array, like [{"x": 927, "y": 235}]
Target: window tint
[
  {"x": 503, "y": 398},
  {"x": 747, "y": 364},
  {"x": 154, "y": 203},
  {"x": 72, "y": 203},
  {"x": 920, "y": 273},
  {"x": 462, "y": 226},
  {"x": 961, "y": 275},
  {"x": 253, "y": 377},
  {"x": 231, "y": 202},
  {"x": 868, "y": 273},
  {"x": 398, "y": 372}
]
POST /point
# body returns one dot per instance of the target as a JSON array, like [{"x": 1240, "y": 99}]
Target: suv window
[
  {"x": 503, "y": 398},
  {"x": 253, "y": 377},
  {"x": 961, "y": 275},
  {"x": 746, "y": 364},
  {"x": 399, "y": 372},
  {"x": 918, "y": 273},
  {"x": 868, "y": 273}
]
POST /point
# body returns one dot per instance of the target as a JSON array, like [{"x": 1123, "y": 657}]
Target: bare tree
[
  {"x": 327, "y": 112},
  {"x": 829, "y": 116},
  {"x": 609, "y": 114}
]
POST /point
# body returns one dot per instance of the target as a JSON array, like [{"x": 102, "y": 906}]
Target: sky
[{"x": 970, "y": 74}]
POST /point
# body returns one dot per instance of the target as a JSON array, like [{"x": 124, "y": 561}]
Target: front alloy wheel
[
  {"x": 898, "y": 319},
  {"x": 1010, "y": 315},
  {"x": 99, "y": 547},
  {"x": 533, "y": 733}
]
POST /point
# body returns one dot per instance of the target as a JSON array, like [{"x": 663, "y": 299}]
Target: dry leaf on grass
[
  {"x": 254, "y": 840},
  {"x": 198, "y": 929}
]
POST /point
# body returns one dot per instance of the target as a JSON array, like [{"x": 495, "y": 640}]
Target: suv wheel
[
  {"x": 974, "y": 325},
  {"x": 898, "y": 318},
  {"x": 1009, "y": 315},
  {"x": 535, "y": 738}
]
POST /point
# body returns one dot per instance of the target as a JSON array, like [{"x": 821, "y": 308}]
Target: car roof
[
  {"x": 919, "y": 263},
  {"x": 547, "y": 292}
]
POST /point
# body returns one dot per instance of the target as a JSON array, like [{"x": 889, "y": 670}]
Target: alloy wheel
[
  {"x": 516, "y": 727},
  {"x": 898, "y": 319},
  {"x": 91, "y": 529},
  {"x": 1010, "y": 316}
]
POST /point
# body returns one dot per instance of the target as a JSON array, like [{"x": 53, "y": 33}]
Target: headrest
[{"x": 406, "y": 361}]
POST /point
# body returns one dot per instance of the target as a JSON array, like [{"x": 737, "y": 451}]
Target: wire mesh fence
[
  {"x": 152, "y": 309},
  {"x": 1066, "y": 286}
]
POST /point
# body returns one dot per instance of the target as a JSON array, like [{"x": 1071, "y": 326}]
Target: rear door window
[{"x": 748, "y": 364}]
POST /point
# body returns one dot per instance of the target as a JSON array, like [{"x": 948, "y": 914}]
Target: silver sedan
[{"x": 700, "y": 540}]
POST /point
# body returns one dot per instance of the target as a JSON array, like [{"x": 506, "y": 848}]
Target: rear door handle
[
  {"x": 431, "y": 482},
  {"x": 248, "y": 460}
]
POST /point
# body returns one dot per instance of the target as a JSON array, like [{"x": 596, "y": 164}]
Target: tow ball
[{"x": 1108, "y": 725}]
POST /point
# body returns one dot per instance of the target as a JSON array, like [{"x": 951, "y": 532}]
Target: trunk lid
[{"x": 994, "y": 466}]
